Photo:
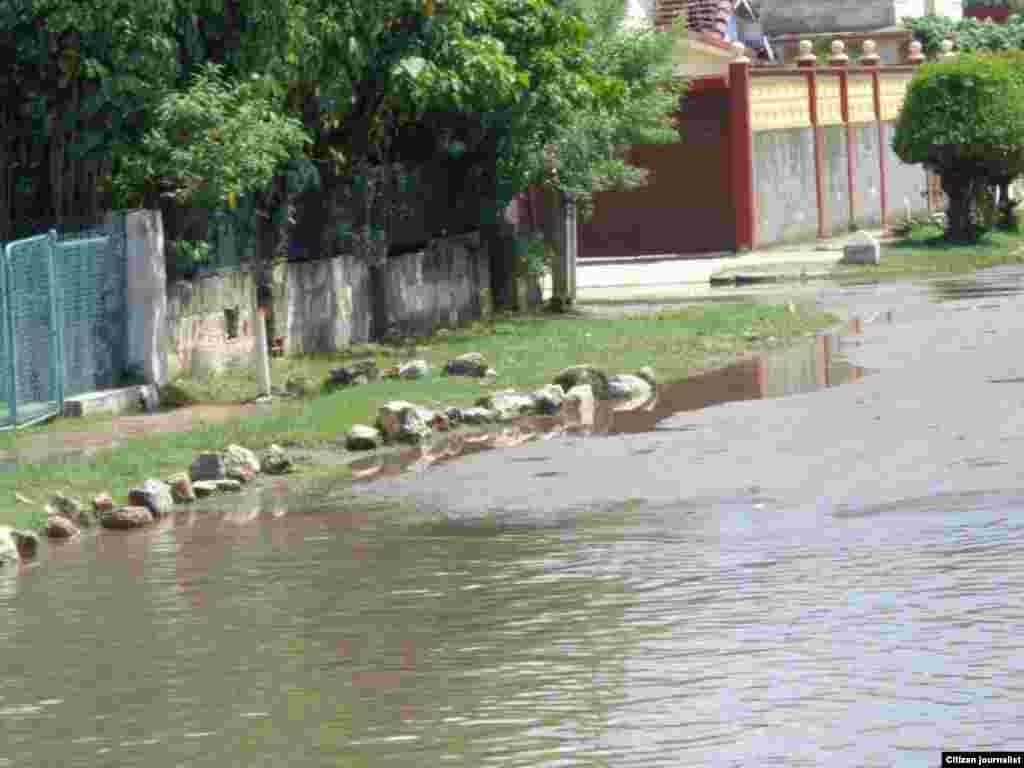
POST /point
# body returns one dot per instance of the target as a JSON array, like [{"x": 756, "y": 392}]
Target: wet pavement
[{"x": 799, "y": 574}]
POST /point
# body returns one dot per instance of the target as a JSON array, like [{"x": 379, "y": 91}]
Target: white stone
[
  {"x": 627, "y": 387},
  {"x": 362, "y": 438},
  {"x": 8, "y": 547},
  {"x": 414, "y": 369},
  {"x": 862, "y": 249}
]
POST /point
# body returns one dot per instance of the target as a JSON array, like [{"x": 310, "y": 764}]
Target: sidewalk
[{"x": 669, "y": 276}]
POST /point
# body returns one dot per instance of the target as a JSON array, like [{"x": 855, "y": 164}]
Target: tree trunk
[{"x": 961, "y": 217}]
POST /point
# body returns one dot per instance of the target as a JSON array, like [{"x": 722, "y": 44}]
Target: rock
[
  {"x": 242, "y": 474},
  {"x": 102, "y": 503},
  {"x": 548, "y": 400},
  {"x": 414, "y": 369},
  {"x": 627, "y": 387},
  {"x": 228, "y": 485},
  {"x": 149, "y": 394},
  {"x": 207, "y": 466},
  {"x": 123, "y": 518},
  {"x": 490, "y": 376},
  {"x": 181, "y": 488},
  {"x": 362, "y": 438},
  {"x": 414, "y": 425},
  {"x": 440, "y": 422},
  {"x": 59, "y": 527},
  {"x": 477, "y": 415},
  {"x": 862, "y": 249},
  {"x": 579, "y": 401},
  {"x": 508, "y": 405},
  {"x": 578, "y": 375},
  {"x": 454, "y": 414},
  {"x": 66, "y": 506},
  {"x": 274, "y": 461},
  {"x": 469, "y": 364},
  {"x": 357, "y": 372},
  {"x": 154, "y": 496},
  {"x": 298, "y": 385},
  {"x": 647, "y": 374},
  {"x": 401, "y": 420},
  {"x": 204, "y": 488},
  {"x": 8, "y": 547},
  {"x": 27, "y": 543},
  {"x": 237, "y": 457}
]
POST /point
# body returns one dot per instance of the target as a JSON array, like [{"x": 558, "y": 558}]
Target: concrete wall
[
  {"x": 867, "y": 176},
  {"x": 784, "y": 187},
  {"x": 836, "y": 176},
  {"x": 908, "y": 184},
  {"x": 146, "y": 295},
  {"x": 786, "y": 194},
  {"x": 328, "y": 304}
]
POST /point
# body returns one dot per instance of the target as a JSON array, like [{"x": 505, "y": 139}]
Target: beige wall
[{"x": 699, "y": 59}]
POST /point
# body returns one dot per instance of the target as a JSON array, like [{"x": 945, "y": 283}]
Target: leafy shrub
[{"x": 964, "y": 120}]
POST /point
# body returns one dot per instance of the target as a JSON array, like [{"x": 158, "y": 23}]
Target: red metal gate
[{"x": 686, "y": 207}]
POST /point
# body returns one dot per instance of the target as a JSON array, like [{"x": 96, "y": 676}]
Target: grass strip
[{"x": 527, "y": 352}]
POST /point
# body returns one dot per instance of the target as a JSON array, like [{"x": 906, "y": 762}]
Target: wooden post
[{"x": 742, "y": 143}]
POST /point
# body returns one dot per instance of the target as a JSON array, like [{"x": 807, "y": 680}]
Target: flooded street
[
  {"x": 732, "y": 633},
  {"x": 805, "y": 574}
]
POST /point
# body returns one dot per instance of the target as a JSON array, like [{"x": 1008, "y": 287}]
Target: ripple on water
[{"x": 636, "y": 636}]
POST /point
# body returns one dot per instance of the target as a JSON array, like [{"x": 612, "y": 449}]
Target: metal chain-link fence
[{"x": 62, "y": 319}]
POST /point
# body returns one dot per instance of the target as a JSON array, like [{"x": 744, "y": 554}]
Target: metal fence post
[
  {"x": 12, "y": 404},
  {"x": 56, "y": 318}
]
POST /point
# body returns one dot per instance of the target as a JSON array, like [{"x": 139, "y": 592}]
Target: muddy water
[
  {"x": 312, "y": 632},
  {"x": 805, "y": 367},
  {"x": 311, "y": 629}
]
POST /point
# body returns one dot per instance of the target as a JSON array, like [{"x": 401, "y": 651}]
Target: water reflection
[
  {"x": 816, "y": 365},
  {"x": 327, "y": 633}
]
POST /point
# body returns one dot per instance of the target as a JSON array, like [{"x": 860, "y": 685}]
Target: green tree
[{"x": 964, "y": 120}]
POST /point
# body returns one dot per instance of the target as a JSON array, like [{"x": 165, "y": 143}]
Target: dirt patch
[{"x": 109, "y": 434}]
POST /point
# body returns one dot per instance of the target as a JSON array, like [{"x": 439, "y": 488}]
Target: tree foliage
[
  {"x": 224, "y": 102},
  {"x": 970, "y": 35},
  {"x": 964, "y": 120}
]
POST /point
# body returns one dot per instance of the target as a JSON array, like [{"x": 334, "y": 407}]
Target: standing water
[{"x": 316, "y": 629}]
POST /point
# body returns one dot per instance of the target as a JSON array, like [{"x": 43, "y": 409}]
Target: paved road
[{"x": 940, "y": 418}]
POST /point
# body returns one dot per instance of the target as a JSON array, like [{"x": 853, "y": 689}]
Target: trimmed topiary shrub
[{"x": 964, "y": 120}]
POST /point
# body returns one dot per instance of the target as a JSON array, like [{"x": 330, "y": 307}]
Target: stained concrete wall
[
  {"x": 907, "y": 184},
  {"x": 867, "y": 176},
  {"x": 145, "y": 295},
  {"x": 784, "y": 186},
  {"x": 836, "y": 178},
  {"x": 328, "y": 304}
]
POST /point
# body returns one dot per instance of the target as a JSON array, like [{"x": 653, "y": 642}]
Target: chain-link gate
[
  {"x": 30, "y": 358},
  {"x": 62, "y": 316}
]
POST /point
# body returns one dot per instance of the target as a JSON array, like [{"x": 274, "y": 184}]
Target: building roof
[{"x": 704, "y": 17}]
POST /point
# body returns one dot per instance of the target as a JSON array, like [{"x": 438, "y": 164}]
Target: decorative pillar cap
[
  {"x": 869, "y": 53},
  {"x": 839, "y": 57},
  {"x": 916, "y": 53},
  {"x": 806, "y": 57}
]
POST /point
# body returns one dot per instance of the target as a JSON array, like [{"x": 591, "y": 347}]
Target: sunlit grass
[{"x": 527, "y": 352}]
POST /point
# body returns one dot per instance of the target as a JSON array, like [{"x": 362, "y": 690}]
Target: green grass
[
  {"x": 924, "y": 252},
  {"x": 526, "y": 351}
]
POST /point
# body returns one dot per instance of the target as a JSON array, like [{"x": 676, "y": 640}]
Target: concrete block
[{"x": 862, "y": 249}]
